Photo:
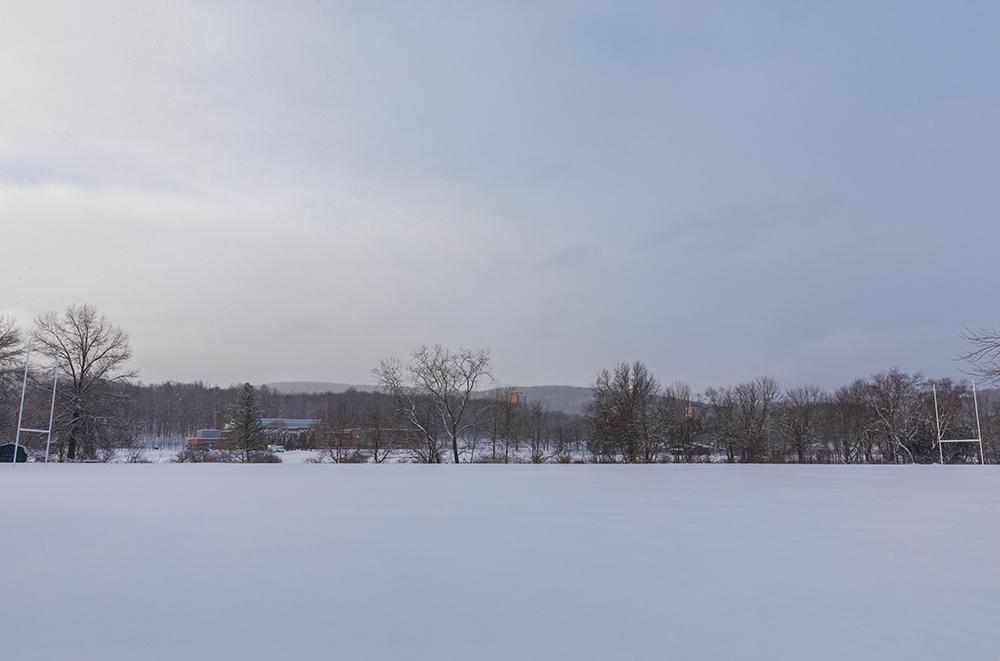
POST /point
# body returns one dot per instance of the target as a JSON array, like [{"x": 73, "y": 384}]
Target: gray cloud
[{"x": 262, "y": 191}]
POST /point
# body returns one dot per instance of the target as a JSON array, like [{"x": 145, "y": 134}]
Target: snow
[
  {"x": 299, "y": 562},
  {"x": 396, "y": 456}
]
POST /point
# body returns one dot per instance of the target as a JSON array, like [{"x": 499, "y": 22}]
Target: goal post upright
[
  {"x": 937, "y": 423},
  {"x": 20, "y": 411},
  {"x": 979, "y": 429},
  {"x": 52, "y": 412}
]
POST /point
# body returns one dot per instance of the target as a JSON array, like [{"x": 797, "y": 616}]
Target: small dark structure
[{"x": 7, "y": 453}]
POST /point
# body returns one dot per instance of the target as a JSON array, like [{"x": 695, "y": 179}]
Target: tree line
[
  {"x": 889, "y": 417},
  {"x": 440, "y": 405}
]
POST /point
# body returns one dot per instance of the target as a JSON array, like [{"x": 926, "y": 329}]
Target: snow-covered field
[{"x": 299, "y": 562}]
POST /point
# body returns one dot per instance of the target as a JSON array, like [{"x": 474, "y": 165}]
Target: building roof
[{"x": 289, "y": 423}]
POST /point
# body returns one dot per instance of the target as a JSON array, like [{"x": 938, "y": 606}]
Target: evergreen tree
[{"x": 246, "y": 434}]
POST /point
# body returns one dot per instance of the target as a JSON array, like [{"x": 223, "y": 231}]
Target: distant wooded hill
[
  {"x": 317, "y": 387},
  {"x": 566, "y": 399}
]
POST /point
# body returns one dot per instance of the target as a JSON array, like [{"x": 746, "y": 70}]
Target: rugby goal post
[
  {"x": 21, "y": 429},
  {"x": 979, "y": 429}
]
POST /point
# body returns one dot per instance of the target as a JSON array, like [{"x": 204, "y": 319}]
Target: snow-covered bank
[{"x": 108, "y": 562}]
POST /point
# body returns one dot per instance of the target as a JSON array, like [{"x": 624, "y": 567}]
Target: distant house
[
  {"x": 7, "y": 453},
  {"x": 208, "y": 439},
  {"x": 692, "y": 412}
]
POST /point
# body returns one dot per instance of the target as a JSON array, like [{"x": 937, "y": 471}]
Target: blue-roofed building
[
  {"x": 289, "y": 424},
  {"x": 218, "y": 439}
]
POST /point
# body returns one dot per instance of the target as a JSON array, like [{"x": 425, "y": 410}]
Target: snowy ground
[
  {"x": 168, "y": 455},
  {"x": 399, "y": 456},
  {"x": 299, "y": 562}
]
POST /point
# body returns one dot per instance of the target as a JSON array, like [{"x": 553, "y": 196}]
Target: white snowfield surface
[{"x": 299, "y": 562}]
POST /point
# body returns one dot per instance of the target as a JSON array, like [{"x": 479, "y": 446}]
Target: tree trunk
[{"x": 74, "y": 427}]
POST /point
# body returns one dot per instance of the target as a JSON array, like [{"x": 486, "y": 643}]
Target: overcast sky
[{"x": 294, "y": 191}]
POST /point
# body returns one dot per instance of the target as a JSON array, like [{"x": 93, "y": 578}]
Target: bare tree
[
  {"x": 567, "y": 433},
  {"x": 381, "y": 441},
  {"x": 504, "y": 423},
  {"x": 725, "y": 422},
  {"x": 415, "y": 410},
  {"x": 682, "y": 418},
  {"x": 754, "y": 404},
  {"x": 338, "y": 440},
  {"x": 989, "y": 410},
  {"x": 623, "y": 415},
  {"x": 92, "y": 353},
  {"x": 894, "y": 398},
  {"x": 10, "y": 355},
  {"x": 499, "y": 422},
  {"x": 10, "y": 344},
  {"x": 984, "y": 357},
  {"x": 800, "y": 420},
  {"x": 853, "y": 423},
  {"x": 443, "y": 381},
  {"x": 537, "y": 421}
]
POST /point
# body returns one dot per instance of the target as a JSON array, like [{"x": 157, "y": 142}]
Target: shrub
[
  {"x": 200, "y": 457},
  {"x": 264, "y": 458},
  {"x": 354, "y": 458},
  {"x": 487, "y": 459}
]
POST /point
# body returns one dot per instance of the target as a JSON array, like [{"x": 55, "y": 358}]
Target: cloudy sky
[{"x": 277, "y": 191}]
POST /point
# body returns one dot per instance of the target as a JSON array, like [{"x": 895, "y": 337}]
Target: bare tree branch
[{"x": 984, "y": 357}]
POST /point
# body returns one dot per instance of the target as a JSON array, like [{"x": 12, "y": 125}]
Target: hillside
[
  {"x": 567, "y": 399},
  {"x": 316, "y": 387}
]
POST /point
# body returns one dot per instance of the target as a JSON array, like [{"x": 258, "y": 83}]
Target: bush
[
  {"x": 487, "y": 459},
  {"x": 200, "y": 457},
  {"x": 354, "y": 458},
  {"x": 264, "y": 458}
]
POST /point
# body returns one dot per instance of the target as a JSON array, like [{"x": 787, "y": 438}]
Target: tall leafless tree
[
  {"x": 724, "y": 420},
  {"x": 624, "y": 416},
  {"x": 444, "y": 381},
  {"x": 852, "y": 424},
  {"x": 92, "y": 354},
  {"x": 503, "y": 425},
  {"x": 755, "y": 402},
  {"x": 894, "y": 397},
  {"x": 800, "y": 420},
  {"x": 382, "y": 440},
  {"x": 682, "y": 418},
  {"x": 10, "y": 358},
  {"x": 537, "y": 426}
]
